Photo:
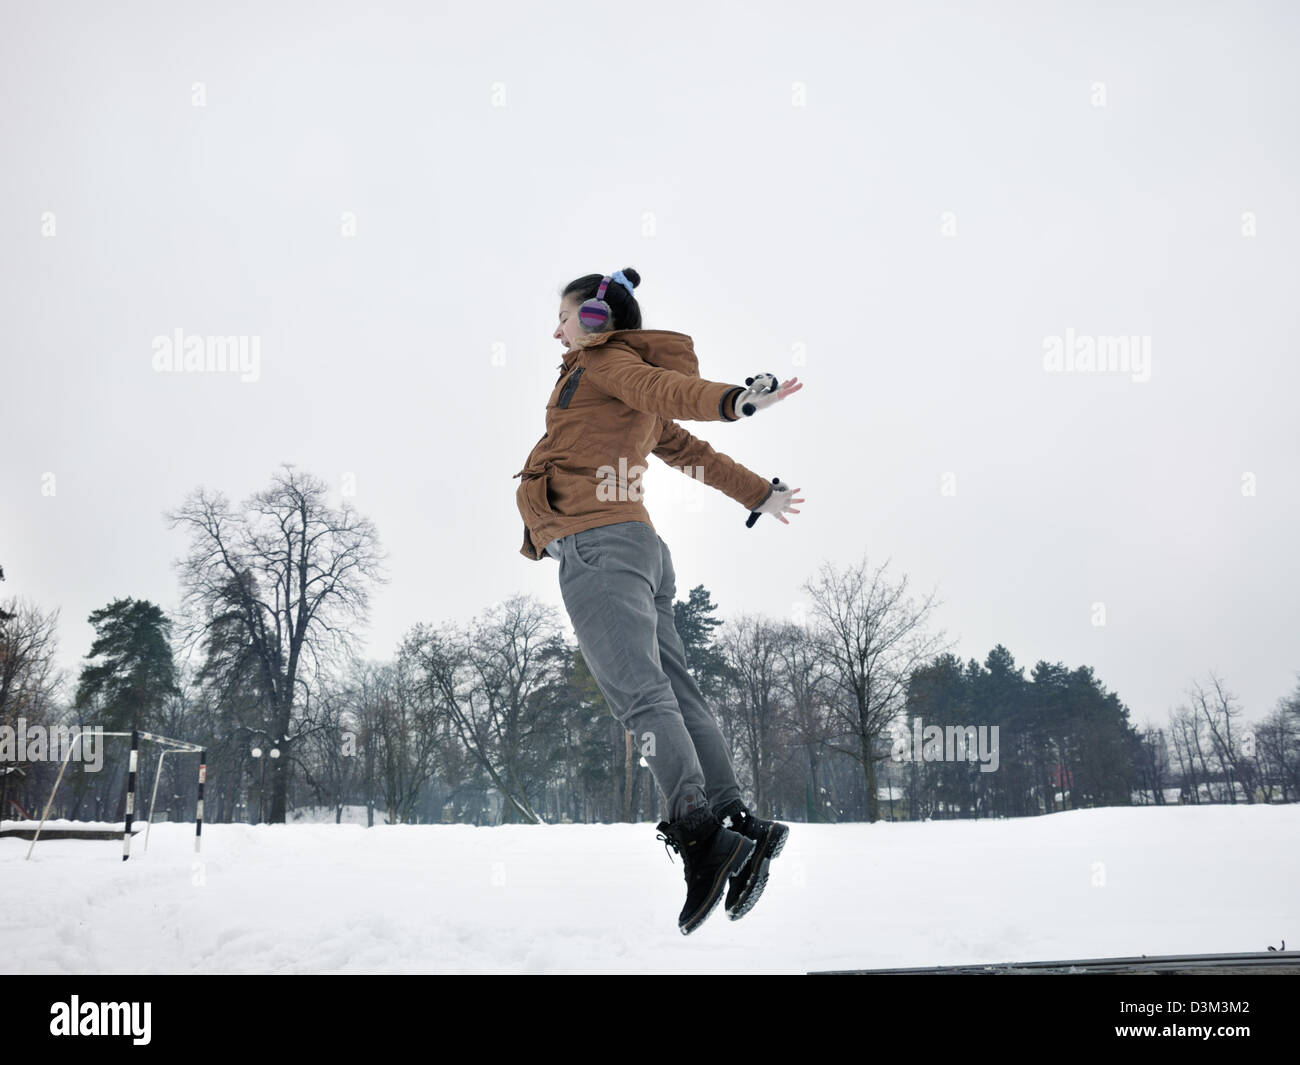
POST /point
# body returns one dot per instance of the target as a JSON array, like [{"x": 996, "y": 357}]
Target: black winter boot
[
  {"x": 769, "y": 837},
  {"x": 711, "y": 854}
]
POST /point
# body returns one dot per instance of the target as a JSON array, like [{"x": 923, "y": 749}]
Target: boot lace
[{"x": 668, "y": 841}]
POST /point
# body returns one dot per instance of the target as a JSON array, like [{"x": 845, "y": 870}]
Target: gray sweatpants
[{"x": 618, "y": 585}]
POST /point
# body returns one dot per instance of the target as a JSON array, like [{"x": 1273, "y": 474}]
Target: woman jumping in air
[{"x": 617, "y": 400}]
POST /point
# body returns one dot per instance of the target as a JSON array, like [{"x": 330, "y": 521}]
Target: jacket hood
[{"x": 658, "y": 347}]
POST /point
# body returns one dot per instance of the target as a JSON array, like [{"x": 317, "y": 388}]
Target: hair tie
[{"x": 617, "y": 275}]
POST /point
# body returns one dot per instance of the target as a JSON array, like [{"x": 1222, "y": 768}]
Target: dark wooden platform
[
  {"x": 69, "y": 833},
  {"x": 1277, "y": 962}
]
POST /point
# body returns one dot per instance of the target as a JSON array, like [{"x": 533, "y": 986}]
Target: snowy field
[{"x": 324, "y": 898}]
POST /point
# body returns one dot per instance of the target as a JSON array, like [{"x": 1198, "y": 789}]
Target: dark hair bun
[{"x": 632, "y": 276}]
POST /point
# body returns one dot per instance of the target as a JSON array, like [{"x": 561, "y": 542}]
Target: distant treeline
[
  {"x": 851, "y": 708},
  {"x": 500, "y": 721}
]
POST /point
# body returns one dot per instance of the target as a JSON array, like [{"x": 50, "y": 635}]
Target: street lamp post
[{"x": 256, "y": 752}]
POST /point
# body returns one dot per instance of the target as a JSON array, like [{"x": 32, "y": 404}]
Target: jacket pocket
[
  {"x": 534, "y": 489},
  {"x": 570, "y": 387}
]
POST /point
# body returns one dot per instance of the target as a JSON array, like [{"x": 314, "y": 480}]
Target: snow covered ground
[{"x": 325, "y": 898}]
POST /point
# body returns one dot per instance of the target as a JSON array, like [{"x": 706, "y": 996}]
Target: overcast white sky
[{"x": 899, "y": 203}]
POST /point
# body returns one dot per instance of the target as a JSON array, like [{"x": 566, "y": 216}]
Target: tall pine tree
[{"x": 135, "y": 672}]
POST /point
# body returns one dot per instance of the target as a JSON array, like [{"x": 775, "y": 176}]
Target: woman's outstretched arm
[{"x": 696, "y": 458}]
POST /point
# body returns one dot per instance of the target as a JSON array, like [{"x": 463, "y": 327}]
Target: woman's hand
[
  {"x": 762, "y": 392},
  {"x": 778, "y": 503}
]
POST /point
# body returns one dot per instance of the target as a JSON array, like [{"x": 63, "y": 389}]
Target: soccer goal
[{"x": 170, "y": 746}]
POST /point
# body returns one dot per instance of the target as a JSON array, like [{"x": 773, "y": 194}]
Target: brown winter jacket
[{"x": 616, "y": 402}]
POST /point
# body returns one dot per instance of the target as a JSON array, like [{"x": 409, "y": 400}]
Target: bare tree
[
  {"x": 406, "y": 728},
  {"x": 1276, "y": 758},
  {"x": 1269, "y": 756},
  {"x": 5, "y": 614},
  {"x": 751, "y": 648},
  {"x": 1289, "y": 718},
  {"x": 1183, "y": 727},
  {"x": 488, "y": 683},
  {"x": 1290, "y": 760},
  {"x": 873, "y": 636},
  {"x": 331, "y": 767},
  {"x": 29, "y": 682},
  {"x": 1155, "y": 762},
  {"x": 365, "y": 711},
  {"x": 1220, "y": 711},
  {"x": 28, "y": 644},
  {"x": 1191, "y": 743},
  {"x": 809, "y": 721},
  {"x": 288, "y": 574}
]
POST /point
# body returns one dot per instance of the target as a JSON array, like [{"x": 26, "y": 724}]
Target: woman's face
[{"x": 568, "y": 326}]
